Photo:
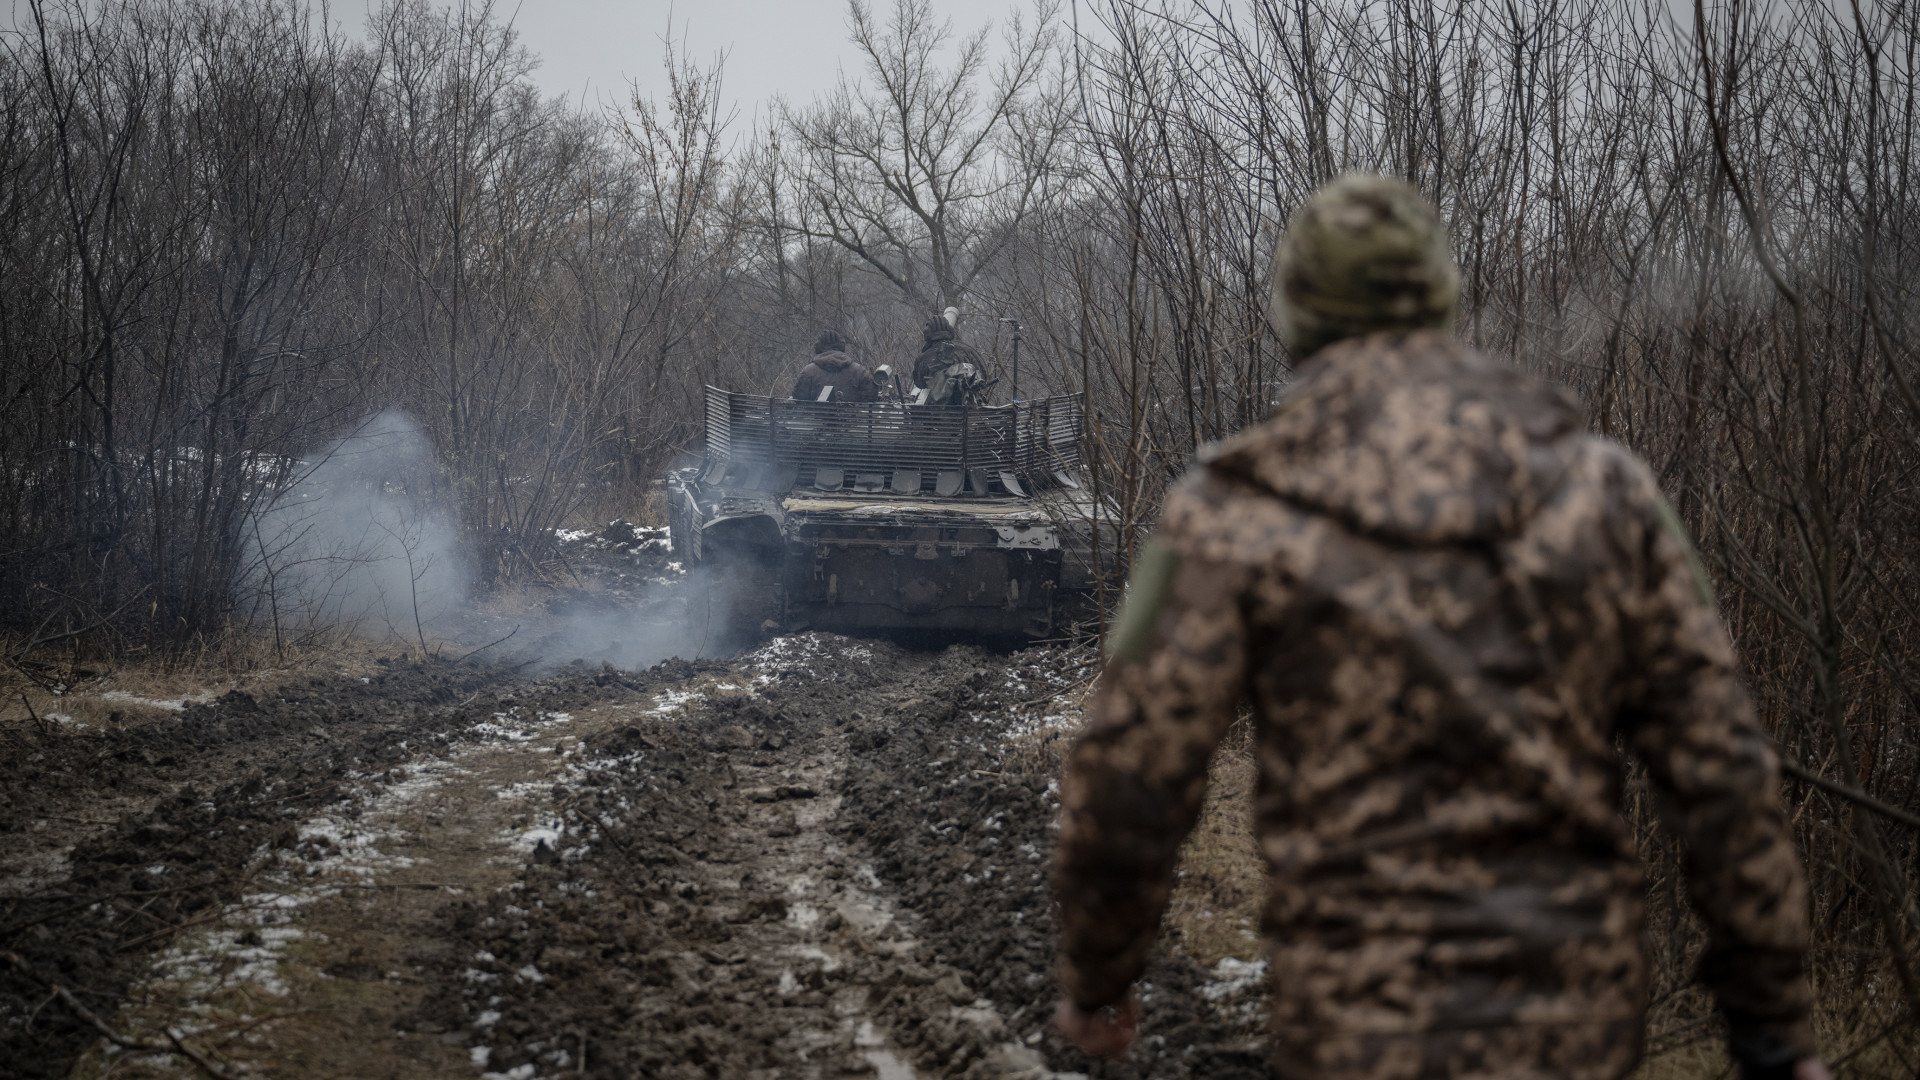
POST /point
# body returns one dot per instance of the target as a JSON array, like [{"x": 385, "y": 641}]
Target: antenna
[{"x": 1015, "y": 323}]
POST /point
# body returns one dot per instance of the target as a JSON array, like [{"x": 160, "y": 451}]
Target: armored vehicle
[{"x": 888, "y": 516}]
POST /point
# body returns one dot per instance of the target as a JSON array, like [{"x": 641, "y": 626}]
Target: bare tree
[{"x": 916, "y": 172}]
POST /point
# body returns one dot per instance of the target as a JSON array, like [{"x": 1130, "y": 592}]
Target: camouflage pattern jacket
[
  {"x": 940, "y": 355},
  {"x": 1447, "y": 605}
]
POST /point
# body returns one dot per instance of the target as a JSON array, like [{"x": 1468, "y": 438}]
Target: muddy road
[{"x": 823, "y": 858}]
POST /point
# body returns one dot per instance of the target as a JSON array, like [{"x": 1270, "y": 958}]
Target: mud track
[{"x": 815, "y": 860}]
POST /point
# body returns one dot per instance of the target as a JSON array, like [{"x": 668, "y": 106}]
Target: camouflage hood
[
  {"x": 832, "y": 361},
  {"x": 1414, "y": 438}
]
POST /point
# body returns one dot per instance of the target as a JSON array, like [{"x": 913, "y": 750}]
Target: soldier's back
[
  {"x": 1437, "y": 552},
  {"x": 1449, "y": 605}
]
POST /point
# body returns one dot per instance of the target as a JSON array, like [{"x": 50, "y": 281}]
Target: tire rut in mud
[
  {"x": 814, "y": 863},
  {"x": 199, "y": 797},
  {"x": 700, "y": 917},
  {"x": 969, "y": 839}
]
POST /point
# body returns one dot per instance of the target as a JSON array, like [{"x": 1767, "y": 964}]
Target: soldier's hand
[{"x": 1107, "y": 1032}]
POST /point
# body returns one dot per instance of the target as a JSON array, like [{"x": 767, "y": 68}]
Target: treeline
[{"x": 230, "y": 234}]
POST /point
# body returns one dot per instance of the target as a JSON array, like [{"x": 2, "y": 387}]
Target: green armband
[{"x": 1147, "y": 592}]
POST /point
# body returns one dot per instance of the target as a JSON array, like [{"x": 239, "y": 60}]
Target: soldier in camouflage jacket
[{"x": 1448, "y": 605}]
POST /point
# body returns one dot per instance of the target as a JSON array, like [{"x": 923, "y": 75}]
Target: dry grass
[
  {"x": 1215, "y": 911},
  {"x": 1040, "y": 753},
  {"x": 1705, "y": 1059},
  {"x": 130, "y": 693},
  {"x": 527, "y": 600},
  {"x": 646, "y": 507},
  {"x": 1043, "y": 751}
]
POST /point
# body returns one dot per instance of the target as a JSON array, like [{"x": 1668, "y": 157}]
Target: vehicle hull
[{"x": 997, "y": 552}]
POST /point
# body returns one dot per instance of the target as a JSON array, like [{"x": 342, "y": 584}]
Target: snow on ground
[
  {"x": 348, "y": 845},
  {"x": 642, "y": 560},
  {"x": 814, "y": 654},
  {"x": 1232, "y": 977},
  {"x": 1017, "y": 725},
  {"x": 178, "y": 704},
  {"x": 673, "y": 701}
]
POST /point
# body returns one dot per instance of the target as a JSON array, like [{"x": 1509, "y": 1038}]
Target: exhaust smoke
[{"x": 358, "y": 544}]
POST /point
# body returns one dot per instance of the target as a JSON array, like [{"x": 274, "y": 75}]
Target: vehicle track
[
  {"x": 703, "y": 916},
  {"x": 118, "y": 838},
  {"x": 814, "y": 865},
  {"x": 810, "y": 861}
]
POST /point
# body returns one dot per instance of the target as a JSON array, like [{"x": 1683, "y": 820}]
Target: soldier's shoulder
[
  {"x": 1599, "y": 463},
  {"x": 1218, "y": 516},
  {"x": 1608, "y": 496}
]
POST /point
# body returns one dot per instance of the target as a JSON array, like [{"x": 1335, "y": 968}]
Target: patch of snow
[
  {"x": 1232, "y": 977},
  {"x": 803, "y": 916},
  {"x": 888, "y": 1067},
  {"x": 826, "y": 961},
  {"x": 178, "y": 704},
  {"x": 338, "y": 848},
  {"x": 526, "y": 730},
  {"x": 218, "y": 960},
  {"x": 525, "y": 840},
  {"x": 672, "y": 701}
]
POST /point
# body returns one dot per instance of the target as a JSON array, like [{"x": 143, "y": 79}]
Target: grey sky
[
  {"x": 794, "y": 47},
  {"x": 592, "y": 48}
]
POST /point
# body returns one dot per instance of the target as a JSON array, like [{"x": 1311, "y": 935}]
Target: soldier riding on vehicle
[
  {"x": 831, "y": 368},
  {"x": 950, "y": 372}
]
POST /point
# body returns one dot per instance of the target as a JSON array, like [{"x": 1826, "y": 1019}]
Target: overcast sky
[
  {"x": 595, "y": 47},
  {"x": 792, "y": 47}
]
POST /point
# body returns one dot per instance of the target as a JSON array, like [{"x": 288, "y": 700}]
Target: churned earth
[{"x": 825, "y": 857}]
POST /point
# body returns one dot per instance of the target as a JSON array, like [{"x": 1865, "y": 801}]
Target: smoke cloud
[
  {"x": 363, "y": 543},
  {"x": 357, "y": 544}
]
